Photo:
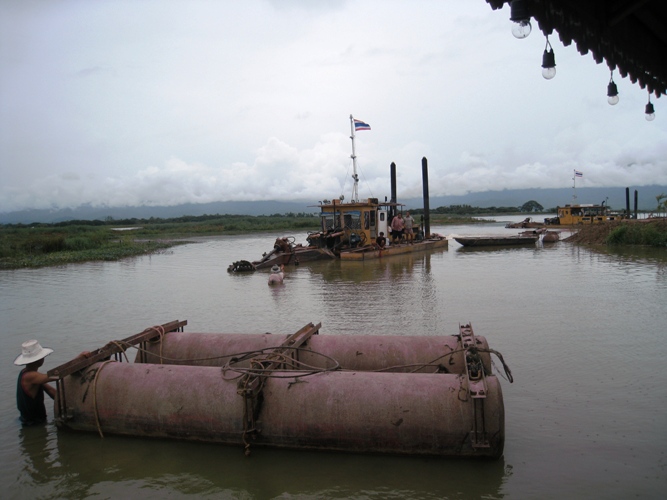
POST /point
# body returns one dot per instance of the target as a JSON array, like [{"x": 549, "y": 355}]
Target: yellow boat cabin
[
  {"x": 351, "y": 225},
  {"x": 571, "y": 215}
]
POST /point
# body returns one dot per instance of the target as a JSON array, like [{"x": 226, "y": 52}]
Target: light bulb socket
[
  {"x": 519, "y": 11},
  {"x": 548, "y": 58},
  {"x": 612, "y": 90},
  {"x": 649, "y": 109}
]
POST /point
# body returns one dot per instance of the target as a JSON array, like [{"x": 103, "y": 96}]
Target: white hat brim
[{"x": 25, "y": 360}]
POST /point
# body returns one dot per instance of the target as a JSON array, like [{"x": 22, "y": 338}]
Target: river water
[{"x": 582, "y": 330}]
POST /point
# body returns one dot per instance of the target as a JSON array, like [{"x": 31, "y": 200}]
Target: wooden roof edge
[{"x": 611, "y": 37}]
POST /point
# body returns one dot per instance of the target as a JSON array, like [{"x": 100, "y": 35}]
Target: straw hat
[
  {"x": 31, "y": 351},
  {"x": 275, "y": 269}
]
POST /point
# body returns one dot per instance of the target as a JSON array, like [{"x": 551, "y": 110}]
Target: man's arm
[{"x": 32, "y": 380}]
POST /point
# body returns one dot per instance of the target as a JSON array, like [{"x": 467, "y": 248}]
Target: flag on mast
[
  {"x": 359, "y": 125},
  {"x": 578, "y": 174}
]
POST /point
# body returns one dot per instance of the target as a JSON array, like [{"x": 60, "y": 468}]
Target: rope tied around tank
[
  {"x": 161, "y": 332},
  {"x": 265, "y": 363},
  {"x": 97, "y": 415}
]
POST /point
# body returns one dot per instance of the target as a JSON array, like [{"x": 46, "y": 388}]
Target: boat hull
[
  {"x": 296, "y": 256},
  {"x": 369, "y": 253},
  {"x": 486, "y": 241}
]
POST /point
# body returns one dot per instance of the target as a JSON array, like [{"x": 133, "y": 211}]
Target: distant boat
[
  {"x": 487, "y": 241},
  {"x": 576, "y": 215},
  {"x": 527, "y": 222}
]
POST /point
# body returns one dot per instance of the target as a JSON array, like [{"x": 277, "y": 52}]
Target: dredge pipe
[
  {"x": 397, "y": 413},
  {"x": 401, "y": 353}
]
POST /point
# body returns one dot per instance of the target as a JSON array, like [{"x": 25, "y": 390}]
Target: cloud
[{"x": 166, "y": 103}]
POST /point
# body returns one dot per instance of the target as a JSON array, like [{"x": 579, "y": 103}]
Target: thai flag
[
  {"x": 359, "y": 125},
  {"x": 578, "y": 174}
]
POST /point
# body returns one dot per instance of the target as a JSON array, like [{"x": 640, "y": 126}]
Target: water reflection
[{"x": 85, "y": 465}]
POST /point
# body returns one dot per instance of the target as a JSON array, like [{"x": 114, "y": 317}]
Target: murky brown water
[{"x": 583, "y": 332}]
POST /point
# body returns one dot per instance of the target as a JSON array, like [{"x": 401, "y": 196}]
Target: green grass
[
  {"x": 44, "y": 245},
  {"x": 638, "y": 234}
]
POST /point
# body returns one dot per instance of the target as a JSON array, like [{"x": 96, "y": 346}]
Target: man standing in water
[
  {"x": 31, "y": 384},
  {"x": 277, "y": 275}
]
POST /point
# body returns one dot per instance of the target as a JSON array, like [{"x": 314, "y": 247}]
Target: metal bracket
[
  {"x": 251, "y": 384},
  {"x": 476, "y": 385}
]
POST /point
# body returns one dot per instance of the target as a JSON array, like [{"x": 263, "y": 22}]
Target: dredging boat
[
  {"x": 409, "y": 395},
  {"x": 576, "y": 215},
  {"x": 350, "y": 230}
]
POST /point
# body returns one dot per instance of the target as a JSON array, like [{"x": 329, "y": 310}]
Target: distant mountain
[
  {"x": 551, "y": 198},
  {"x": 548, "y": 198}
]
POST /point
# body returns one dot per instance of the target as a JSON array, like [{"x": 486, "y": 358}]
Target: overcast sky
[{"x": 164, "y": 102}]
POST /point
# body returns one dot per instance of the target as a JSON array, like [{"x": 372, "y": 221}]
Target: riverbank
[
  {"x": 651, "y": 232},
  {"x": 41, "y": 245}
]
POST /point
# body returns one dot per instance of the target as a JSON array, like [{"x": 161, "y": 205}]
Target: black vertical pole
[
  {"x": 427, "y": 204},
  {"x": 392, "y": 171},
  {"x": 627, "y": 202},
  {"x": 636, "y": 198}
]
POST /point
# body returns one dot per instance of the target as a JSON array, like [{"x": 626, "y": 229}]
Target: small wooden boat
[{"x": 486, "y": 241}]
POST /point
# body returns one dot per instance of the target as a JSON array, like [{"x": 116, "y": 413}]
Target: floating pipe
[
  {"x": 352, "y": 352},
  {"x": 398, "y": 413}
]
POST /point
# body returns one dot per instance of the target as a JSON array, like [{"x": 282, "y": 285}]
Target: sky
[{"x": 165, "y": 102}]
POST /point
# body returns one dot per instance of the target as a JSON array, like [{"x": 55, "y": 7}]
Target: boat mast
[
  {"x": 574, "y": 187},
  {"x": 355, "y": 187}
]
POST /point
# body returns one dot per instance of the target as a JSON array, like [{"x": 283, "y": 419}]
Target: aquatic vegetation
[{"x": 652, "y": 234}]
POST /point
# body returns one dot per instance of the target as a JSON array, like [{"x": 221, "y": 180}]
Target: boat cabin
[
  {"x": 351, "y": 225},
  {"x": 585, "y": 214}
]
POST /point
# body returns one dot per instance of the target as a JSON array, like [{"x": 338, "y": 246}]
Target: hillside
[{"x": 548, "y": 198}]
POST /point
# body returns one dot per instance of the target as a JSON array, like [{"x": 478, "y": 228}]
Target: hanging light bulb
[
  {"x": 650, "y": 112},
  {"x": 548, "y": 62},
  {"x": 612, "y": 91},
  {"x": 520, "y": 18}
]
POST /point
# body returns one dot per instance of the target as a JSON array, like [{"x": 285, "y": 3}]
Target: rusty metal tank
[
  {"x": 396, "y": 353},
  {"x": 438, "y": 414}
]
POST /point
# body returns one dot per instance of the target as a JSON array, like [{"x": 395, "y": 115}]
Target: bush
[
  {"x": 638, "y": 234},
  {"x": 80, "y": 243}
]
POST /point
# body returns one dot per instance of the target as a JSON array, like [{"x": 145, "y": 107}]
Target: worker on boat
[
  {"x": 397, "y": 227},
  {"x": 282, "y": 245},
  {"x": 277, "y": 274},
  {"x": 409, "y": 222},
  {"x": 381, "y": 241},
  {"x": 31, "y": 384}
]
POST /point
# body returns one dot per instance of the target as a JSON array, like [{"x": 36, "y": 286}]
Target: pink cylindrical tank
[
  {"x": 401, "y": 353},
  {"x": 398, "y": 413}
]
